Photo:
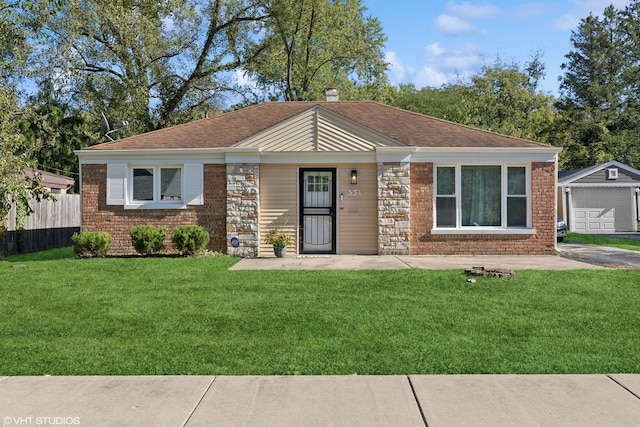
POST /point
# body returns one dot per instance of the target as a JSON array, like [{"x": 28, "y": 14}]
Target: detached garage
[{"x": 600, "y": 199}]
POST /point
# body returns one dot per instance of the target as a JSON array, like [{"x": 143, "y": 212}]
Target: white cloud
[
  {"x": 465, "y": 56},
  {"x": 398, "y": 71},
  {"x": 434, "y": 49},
  {"x": 453, "y": 25},
  {"x": 431, "y": 77},
  {"x": 442, "y": 65},
  {"x": 529, "y": 10},
  {"x": 459, "y": 16},
  {"x": 580, "y": 9},
  {"x": 471, "y": 11},
  {"x": 242, "y": 78}
]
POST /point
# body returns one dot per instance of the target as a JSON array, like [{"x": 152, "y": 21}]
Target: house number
[{"x": 355, "y": 192}]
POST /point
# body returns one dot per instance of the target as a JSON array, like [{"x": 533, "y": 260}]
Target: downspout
[
  {"x": 555, "y": 203},
  {"x": 80, "y": 193},
  {"x": 637, "y": 209}
]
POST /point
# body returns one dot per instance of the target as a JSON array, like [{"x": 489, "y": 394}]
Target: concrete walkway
[
  {"x": 414, "y": 400},
  {"x": 397, "y": 262}
]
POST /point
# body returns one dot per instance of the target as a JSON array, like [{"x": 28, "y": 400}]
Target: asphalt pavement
[{"x": 604, "y": 256}]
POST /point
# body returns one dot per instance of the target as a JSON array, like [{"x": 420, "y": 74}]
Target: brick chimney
[{"x": 332, "y": 94}]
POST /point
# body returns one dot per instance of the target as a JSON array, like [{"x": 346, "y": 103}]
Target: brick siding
[
  {"x": 212, "y": 216},
  {"x": 542, "y": 211},
  {"x": 115, "y": 220}
]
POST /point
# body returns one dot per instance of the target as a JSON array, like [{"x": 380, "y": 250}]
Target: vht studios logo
[{"x": 40, "y": 421}]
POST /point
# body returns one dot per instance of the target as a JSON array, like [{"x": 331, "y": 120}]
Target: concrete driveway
[{"x": 600, "y": 255}]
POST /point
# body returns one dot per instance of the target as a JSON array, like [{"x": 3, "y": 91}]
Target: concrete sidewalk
[
  {"x": 415, "y": 400},
  {"x": 397, "y": 262}
]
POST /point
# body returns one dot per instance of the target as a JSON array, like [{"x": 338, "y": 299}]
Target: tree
[
  {"x": 502, "y": 98},
  {"x": 448, "y": 102},
  {"x": 506, "y": 100},
  {"x": 598, "y": 102},
  {"x": 16, "y": 154},
  {"x": 313, "y": 44},
  {"x": 56, "y": 130},
  {"x": 152, "y": 63}
]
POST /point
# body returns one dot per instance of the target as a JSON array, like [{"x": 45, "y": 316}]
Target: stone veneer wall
[
  {"x": 542, "y": 210},
  {"x": 243, "y": 209},
  {"x": 115, "y": 220},
  {"x": 394, "y": 205}
]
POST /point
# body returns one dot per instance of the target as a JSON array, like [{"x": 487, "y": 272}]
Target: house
[
  {"x": 56, "y": 184},
  {"x": 341, "y": 177},
  {"x": 600, "y": 199}
]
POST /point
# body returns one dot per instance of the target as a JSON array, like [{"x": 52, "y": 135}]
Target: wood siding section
[
  {"x": 357, "y": 216},
  {"x": 295, "y": 134},
  {"x": 358, "y": 211},
  {"x": 278, "y": 203},
  {"x": 600, "y": 177},
  {"x": 318, "y": 130}
]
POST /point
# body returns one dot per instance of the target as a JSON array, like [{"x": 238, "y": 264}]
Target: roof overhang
[
  {"x": 485, "y": 154},
  {"x": 203, "y": 155},
  {"x": 254, "y": 155},
  {"x": 600, "y": 185}
]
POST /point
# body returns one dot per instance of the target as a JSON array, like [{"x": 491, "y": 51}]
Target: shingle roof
[
  {"x": 568, "y": 176},
  {"x": 406, "y": 127}
]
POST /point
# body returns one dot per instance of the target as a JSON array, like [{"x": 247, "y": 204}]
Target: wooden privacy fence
[{"x": 50, "y": 226}]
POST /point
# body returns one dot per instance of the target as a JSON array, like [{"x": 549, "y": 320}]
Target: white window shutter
[
  {"x": 116, "y": 182},
  {"x": 194, "y": 184}
]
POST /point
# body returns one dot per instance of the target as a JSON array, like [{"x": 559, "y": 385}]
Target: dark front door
[{"x": 317, "y": 210}]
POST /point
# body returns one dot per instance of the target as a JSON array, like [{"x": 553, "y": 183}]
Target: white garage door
[{"x": 602, "y": 210}]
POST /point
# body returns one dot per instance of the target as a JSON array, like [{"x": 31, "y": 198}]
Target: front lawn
[{"x": 161, "y": 316}]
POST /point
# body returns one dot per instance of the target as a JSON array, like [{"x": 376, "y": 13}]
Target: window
[
  {"x": 490, "y": 196},
  {"x": 155, "y": 187},
  {"x": 516, "y": 197},
  {"x": 318, "y": 183},
  {"x": 481, "y": 201},
  {"x": 446, "y": 197},
  {"x": 157, "y": 184}
]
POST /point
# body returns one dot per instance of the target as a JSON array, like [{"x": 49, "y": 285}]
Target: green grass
[
  {"x": 160, "y": 316},
  {"x": 592, "y": 239}
]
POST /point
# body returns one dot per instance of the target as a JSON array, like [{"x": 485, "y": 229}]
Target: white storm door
[{"x": 317, "y": 210}]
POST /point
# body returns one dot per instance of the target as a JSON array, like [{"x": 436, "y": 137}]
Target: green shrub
[
  {"x": 190, "y": 239},
  {"x": 147, "y": 239},
  {"x": 91, "y": 243}
]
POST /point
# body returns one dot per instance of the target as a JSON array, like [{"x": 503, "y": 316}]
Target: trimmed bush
[
  {"x": 147, "y": 239},
  {"x": 190, "y": 239},
  {"x": 91, "y": 243}
]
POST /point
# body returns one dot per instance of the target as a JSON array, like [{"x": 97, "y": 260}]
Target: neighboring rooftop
[
  {"x": 568, "y": 176},
  {"x": 54, "y": 182}
]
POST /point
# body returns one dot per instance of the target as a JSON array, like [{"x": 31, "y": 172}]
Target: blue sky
[{"x": 431, "y": 43}]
